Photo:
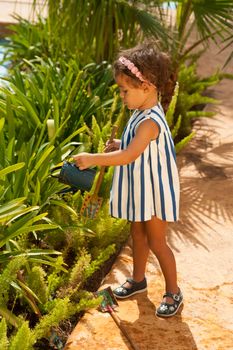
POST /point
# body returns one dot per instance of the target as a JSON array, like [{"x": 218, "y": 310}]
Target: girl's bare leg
[
  {"x": 140, "y": 251},
  {"x": 156, "y": 233}
]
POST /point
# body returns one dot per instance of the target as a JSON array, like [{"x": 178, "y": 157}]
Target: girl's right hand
[
  {"x": 112, "y": 146},
  {"x": 84, "y": 160}
]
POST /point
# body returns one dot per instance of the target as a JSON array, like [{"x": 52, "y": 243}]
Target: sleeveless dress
[{"x": 149, "y": 186}]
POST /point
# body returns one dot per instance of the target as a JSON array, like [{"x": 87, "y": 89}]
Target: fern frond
[
  {"x": 197, "y": 114},
  {"x": 3, "y": 335},
  {"x": 62, "y": 310},
  {"x": 172, "y": 106},
  {"x": 8, "y": 275},
  {"x": 184, "y": 142},
  {"x": 121, "y": 119},
  {"x": 97, "y": 263},
  {"x": 77, "y": 273},
  {"x": 96, "y": 134},
  {"x": 101, "y": 146},
  {"x": 113, "y": 106},
  {"x": 176, "y": 128},
  {"x": 36, "y": 281},
  {"x": 23, "y": 339},
  {"x": 9, "y": 316}
]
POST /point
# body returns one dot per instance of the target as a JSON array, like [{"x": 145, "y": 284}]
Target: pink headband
[{"x": 133, "y": 69}]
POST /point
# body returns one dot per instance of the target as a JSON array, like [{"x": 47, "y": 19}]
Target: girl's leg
[
  {"x": 156, "y": 233},
  {"x": 140, "y": 251}
]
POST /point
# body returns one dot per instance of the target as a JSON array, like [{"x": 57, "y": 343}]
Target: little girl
[{"x": 145, "y": 187}]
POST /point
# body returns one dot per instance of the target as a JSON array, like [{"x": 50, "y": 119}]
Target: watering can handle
[{"x": 102, "y": 169}]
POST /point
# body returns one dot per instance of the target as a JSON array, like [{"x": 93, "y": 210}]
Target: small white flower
[
  {"x": 121, "y": 290},
  {"x": 163, "y": 307}
]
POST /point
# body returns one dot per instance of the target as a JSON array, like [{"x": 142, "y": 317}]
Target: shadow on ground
[
  {"x": 148, "y": 330},
  {"x": 206, "y": 191}
]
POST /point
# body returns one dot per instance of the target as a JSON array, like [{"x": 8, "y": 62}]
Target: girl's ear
[
  {"x": 148, "y": 86},
  {"x": 145, "y": 86}
]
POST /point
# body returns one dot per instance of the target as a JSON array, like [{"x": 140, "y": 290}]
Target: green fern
[
  {"x": 106, "y": 130},
  {"x": 172, "y": 106},
  {"x": 121, "y": 119},
  {"x": 184, "y": 142},
  {"x": 101, "y": 146},
  {"x": 87, "y": 302},
  {"x": 197, "y": 114},
  {"x": 78, "y": 271},
  {"x": 9, "y": 316},
  {"x": 191, "y": 97},
  {"x": 3, "y": 335},
  {"x": 106, "y": 184},
  {"x": 97, "y": 263},
  {"x": 96, "y": 136},
  {"x": 9, "y": 275},
  {"x": 36, "y": 281},
  {"x": 190, "y": 81},
  {"x": 176, "y": 127},
  {"x": 107, "y": 231},
  {"x": 62, "y": 309},
  {"x": 55, "y": 279},
  {"x": 23, "y": 339},
  {"x": 114, "y": 106}
]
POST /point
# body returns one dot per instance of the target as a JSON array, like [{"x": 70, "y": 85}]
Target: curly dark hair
[{"x": 154, "y": 65}]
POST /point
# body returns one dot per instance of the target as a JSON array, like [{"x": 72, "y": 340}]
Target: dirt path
[{"x": 202, "y": 242}]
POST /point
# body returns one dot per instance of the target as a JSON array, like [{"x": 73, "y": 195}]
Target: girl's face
[{"x": 134, "y": 97}]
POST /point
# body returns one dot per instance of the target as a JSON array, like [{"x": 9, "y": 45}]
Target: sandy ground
[{"x": 203, "y": 245}]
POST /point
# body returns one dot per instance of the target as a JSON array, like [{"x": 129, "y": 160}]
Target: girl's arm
[{"x": 147, "y": 131}]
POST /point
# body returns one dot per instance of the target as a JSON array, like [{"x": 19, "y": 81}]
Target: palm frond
[{"x": 210, "y": 16}]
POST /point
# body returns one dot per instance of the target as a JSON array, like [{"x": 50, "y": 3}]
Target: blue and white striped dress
[{"x": 149, "y": 186}]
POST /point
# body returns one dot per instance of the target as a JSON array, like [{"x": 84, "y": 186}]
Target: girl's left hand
[
  {"x": 83, "y": 160},
  {"x": 114, "y": 145}
]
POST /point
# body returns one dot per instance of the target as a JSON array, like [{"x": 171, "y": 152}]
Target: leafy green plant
[
  {"x": 98, "y": 29},
  {"x": 59, "y": 91},
  {"x": 227, "y": 42},
  {"x": 23, "y": 220},
  {"x": 192, "y": 97},
  {"x": 17, "y": 219},
  {"x": 188, "y": 101},
  {"x": 3, "y": 335},
  {"x": 25, "y": 281},
  {"x": 23, "y": 338},
  {"x": 191, "y": 26},
  {"x": 46, "y": 328},
  {"x": 28, "y": 40},
  {"x": 36, "y": 282},
  {"x": 209, "y": 19}
]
